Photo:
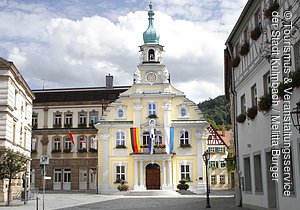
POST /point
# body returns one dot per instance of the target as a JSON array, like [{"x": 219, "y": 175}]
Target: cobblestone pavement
[
  {"x": 85, "y": 201},
  {"x": 182, "y": 203}
]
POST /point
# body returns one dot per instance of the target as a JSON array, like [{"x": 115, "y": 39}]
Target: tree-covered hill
[{"x": 216, "y": 111}]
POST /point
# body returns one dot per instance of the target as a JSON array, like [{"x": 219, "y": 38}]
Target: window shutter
[
  {"x": 217, "y": 164},
  {"x": 217, "y": 149}
]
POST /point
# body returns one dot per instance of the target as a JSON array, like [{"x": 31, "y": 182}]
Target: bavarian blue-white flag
[{"x": 151, "y": 141}]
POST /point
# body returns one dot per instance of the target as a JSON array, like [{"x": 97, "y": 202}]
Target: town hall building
[{"x": 152, "y": 136}]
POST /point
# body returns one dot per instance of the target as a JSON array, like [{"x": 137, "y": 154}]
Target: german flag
[{"x": 135, "y": 140}]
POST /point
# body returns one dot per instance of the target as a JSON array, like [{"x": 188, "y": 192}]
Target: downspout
[{"x": 235, "y": 133}]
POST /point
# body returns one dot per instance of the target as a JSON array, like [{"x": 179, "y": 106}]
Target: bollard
[{"x": 37, "y": 203}]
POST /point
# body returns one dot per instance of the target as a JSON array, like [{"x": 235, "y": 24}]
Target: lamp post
[
  {"x": 206, "y": 157},
  {"x": 295, "y": 113}
]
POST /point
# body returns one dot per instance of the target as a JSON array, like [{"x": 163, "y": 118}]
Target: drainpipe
[{"x": 235, "y": 133}]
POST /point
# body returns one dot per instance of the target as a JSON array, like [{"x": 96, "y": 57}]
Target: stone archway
[{"x": 153, "y": 177}]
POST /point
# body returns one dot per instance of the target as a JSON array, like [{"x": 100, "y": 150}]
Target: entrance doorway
[
  {"x": 153, "y": 177},
  {"x": 271, "y": 185}
]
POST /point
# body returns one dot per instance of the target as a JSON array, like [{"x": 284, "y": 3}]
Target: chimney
[
  {"x": 223, "y": 128},
  {"x": 109, "y": 81}
]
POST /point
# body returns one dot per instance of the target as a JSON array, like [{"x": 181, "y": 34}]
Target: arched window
[
  {"x": 158, "y": 137},
  {"x": 56, "y": 143},
  {"x": 151, "y": 55},
  {"x": 184, "y": 137},
  {"x": 120, "y": 138},
  {"x": 81, "y": 142},
  {"x": 93, "y": 143},
  {"x": 67, "y": 143}
]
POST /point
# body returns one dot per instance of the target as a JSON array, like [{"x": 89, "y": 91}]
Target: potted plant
[
  {"x": 273, "y": 6},
  {"x": 235, "y": 61},
  {"x": 55, "y": 151},
  {"x": 244, "y": 48},
  {"x": 241, "y": 118},
  {"x": 152, "y": 116},
  {"x": 182, "y": 185},
  {"x": 68, "y": 150},
  {"x": 222, "y": 182},
  {"x": 68, "y": 125},
  {"x": 82, "y": 150},
  {"x": 265, "y": 103},
  {"x": 185, "y": 145},
  {"x": 252, "y": 112},
  {"x": 120, "y": 146},
  {"x": 81, "y": 125},
  {"x": 213, "y": 182},
  {"x": 56, "y": 125},
  {"x": 92, "y": 150},
  {"x": 255, "y": 33}
]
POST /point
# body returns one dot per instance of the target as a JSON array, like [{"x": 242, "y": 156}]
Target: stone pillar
[
  {"x": 170, "y": 174},
  {"x": 167, "y": 112},
  {"x": 201, "y": 180},
  {"x": 164, "y": 186},
  {"x": 136, "y": 184},
  {"x": 142, "y": 186}
]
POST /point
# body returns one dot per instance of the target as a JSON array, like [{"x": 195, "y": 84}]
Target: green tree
[
  {"x": 216, "y": 111},
  {"x": 12, "y": 163}
]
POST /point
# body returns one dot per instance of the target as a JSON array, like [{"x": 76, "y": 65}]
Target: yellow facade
[{"x": 159, "y": 112}]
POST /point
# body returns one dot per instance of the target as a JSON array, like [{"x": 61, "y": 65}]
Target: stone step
[
  {"x": 152, "y": 193},
  {"x": 186, "y": 192}
]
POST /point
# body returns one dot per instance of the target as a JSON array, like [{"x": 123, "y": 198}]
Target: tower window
[{"x": 151, "y": 55}]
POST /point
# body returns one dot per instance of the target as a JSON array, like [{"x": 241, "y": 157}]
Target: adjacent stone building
[{"x": 15, "y": 118}]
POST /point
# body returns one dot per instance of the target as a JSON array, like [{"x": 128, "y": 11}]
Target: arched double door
[{"x": 153, "y": 177}]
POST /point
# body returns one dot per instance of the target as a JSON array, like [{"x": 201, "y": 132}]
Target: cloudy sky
[{"x": 75, "y": 43}]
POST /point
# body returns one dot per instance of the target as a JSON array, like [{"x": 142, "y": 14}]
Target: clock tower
[{"x": 151, "y": 69}]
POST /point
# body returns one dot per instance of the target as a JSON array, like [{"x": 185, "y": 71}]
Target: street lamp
[
  {"x": 295, "y": 113},
  {"x": 206, "y": 157}
]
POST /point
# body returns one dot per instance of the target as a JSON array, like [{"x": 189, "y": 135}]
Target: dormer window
[
  {"x": 183, "y": 111},
  {"x": 151, "y": 56},
  {"x": 120, "y": 113}
]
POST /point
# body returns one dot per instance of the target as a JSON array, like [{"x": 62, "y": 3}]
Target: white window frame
[
  {"x": 185, "y": 163},
  {"x": 213, "y": 178},
  {"x": 93, "y": 117},
  {"x": 35, "y": 120},
  {"x": 82, "y": 118},
  {"x": 212, "y": 163},
  {"x": 57, "y": 118},
  {"x": 120, "y": 164},
  {"x": 152, "y": 108},
  {"x": 254, "y": 95},
  {"x": 222, "y": 164},
  {"x": 121, "y": 138},
  {"x": 67, "y": 143},
  {"x": 243, "y": 103},
  {"x": 211, "y": 149},
  {"x": 69, "y": 119},
  {"x": 57, "y": 175},
  {"x": 222, "y": 178},
  {"x": 67, "y": 175},
  {"x": 186, "y": 140},
  {"x": 82, "y": 142},
  {"x": 57, "y": 143},
  {"x": 146, "y": 137},
  {"x": 267, "y": 82}
]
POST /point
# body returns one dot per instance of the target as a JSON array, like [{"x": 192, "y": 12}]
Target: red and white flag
[{"x": 71, "y": 137}]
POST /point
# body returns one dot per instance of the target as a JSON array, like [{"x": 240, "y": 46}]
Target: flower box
[
  {"x": 255, "y": 33},
  {"x": 245, "y": 48},
  {"x": 265, "y": 103},
  {"x": 241, "y": 118},
  {"x": 235, "y": 62},
  {"x": 273, "y": 6},
  {"x": 252, "y": 112}
]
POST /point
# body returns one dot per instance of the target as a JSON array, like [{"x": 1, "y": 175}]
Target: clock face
[{"x": 151, "y": 77}]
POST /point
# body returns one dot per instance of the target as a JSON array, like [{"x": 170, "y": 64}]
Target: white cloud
[{"x": 79, "y": 53}]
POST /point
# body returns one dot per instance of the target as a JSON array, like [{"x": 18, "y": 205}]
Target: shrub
[
  {"x": 67, "y": 150},
  {"x": 265, "y": 103},
  {"x": 245, "y": 48},
  {"x": 252, "y": 112},
  {"x": 152, "y": 116},
  {"x": 241, "y": 118},
  {"x": 55, "y": 151},
  {"x": 255, "y": 33},
  {"x": 235, "y": 61},
  {"x": 182, "y": 185},
  {"x": 123, "y": 187}
]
